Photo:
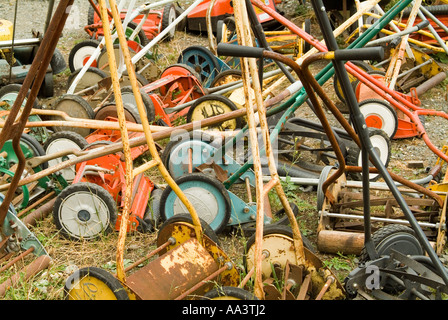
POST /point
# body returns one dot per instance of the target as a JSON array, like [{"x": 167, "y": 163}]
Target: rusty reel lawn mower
[
  {"x": 180, "y": 243},
  {"x": 407, "y": 277},
  {"x": 427, "y": 276},
  {"x": 89, "y": 56},
  {"x": 190, "y": 152},
  {"x": 88, "y": 208},
  {"x": 18, "y": 243},
  {"x": 401, "y": 102},
  {"x": 271, "y": 247},
  {"x": 142, "y": 25},
  {"x": 143, "y": 19}
]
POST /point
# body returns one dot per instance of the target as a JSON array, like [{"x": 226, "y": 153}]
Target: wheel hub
[{"x": 84, "y": 215}]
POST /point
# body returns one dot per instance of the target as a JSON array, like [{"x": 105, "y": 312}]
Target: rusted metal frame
[
  {"x": 118, "y": 146},
  {"x": 203, "y": 282},
  {"x": 34, "y": 80},
  {"x": 149, "y": 255},
  {"x": 338, "y": 115},
  {"x": 94, "y": 6},
  {"x": 404, "y": 182},
  {"x": 398, "y": 101},
  {"x": 19, "y": 257},
  {"x": 151, "y": 146},
  {"x": 249, "y": 68},
  {"x": 129, "y": 176},
  {"x": 309, "y": 83}
]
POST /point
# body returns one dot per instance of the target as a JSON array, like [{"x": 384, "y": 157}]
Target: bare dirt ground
[{"x": 69, "y": 255}]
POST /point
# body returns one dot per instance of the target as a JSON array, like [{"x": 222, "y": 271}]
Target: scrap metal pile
[{"x": 229, "y": 113}]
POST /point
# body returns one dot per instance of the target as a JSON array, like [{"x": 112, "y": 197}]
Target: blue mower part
[
  {"x": 13, "y": 226},
  {"x": 204, "y": 62}
]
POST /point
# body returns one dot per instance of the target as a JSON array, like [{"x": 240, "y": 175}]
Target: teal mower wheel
[{"x": 208, "y": 196}]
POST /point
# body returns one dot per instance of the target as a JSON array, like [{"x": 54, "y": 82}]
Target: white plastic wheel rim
[
  {"x": 82, "y": 55},
  {"x": 381, "y": 148},
  {"x": 385, "y": 117},
  {"x": 88, "y": 203},
  {"x": 202, "y": 200},
  {"x": 10, "y": 98},
  {"x": 61, "y": 144}
]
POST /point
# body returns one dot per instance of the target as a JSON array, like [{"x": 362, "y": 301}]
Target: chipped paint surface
[{"x": 174, "y": 272}]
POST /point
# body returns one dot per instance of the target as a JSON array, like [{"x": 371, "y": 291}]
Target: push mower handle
[
  {"x": 374, "y": 53},
  {"x": 233, "y": 50}
]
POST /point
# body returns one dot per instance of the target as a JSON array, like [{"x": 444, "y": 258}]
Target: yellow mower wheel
[{"x": 93, "y": 283}]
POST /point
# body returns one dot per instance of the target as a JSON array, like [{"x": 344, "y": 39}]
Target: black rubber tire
[
  {"x": 230, "y": 72},
  {"x": 154, "y": 212},
  {"x": 15, "y": 87},
  {"x": 203, "y": 178},
  {"x": 231, "y": 292},
  {"x": 199, "y": 135},
  {"x": 182, "y": 65},
  {"x": 230, "y": 23},
  {"x": 143, "y": 39},
  {"x": 113, "y": 283},
  {"x": 57, "y": 62},
  {"x": 37, "y": 148},
  {"x": 96, "y": 190},
  {"x": 354, "y": 154},
  {"x": 168, "y": 10},
  {"x": 47, "y": 88},
  {"x": 86, "y": 43},
  {"x": 141, "y": 80},
  {"x": 406, "y": 243},
  {"x": 307, "y": 29},
  {"x": 208, "y": 231},
  {"x": 87, "y": 111},
  {"x": 70, "y": 135},
  {"x": 73, "y": 136},
  {"x": 383, "y": 104},
  {"x": 337, "y": 87},
  {"x": 249, "y": 229}
]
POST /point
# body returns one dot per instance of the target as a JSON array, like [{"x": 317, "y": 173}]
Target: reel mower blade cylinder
[{"x": 361, "y": 127}]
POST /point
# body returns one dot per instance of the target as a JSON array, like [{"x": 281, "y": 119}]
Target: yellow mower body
[{"x": 6, "y": 30}]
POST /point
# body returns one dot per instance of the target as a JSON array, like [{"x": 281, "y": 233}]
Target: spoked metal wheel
[
  {"x": 93, "y": 283},
  {"x": 202, "y": 61},
  {"x": 84, "y": 211}
]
